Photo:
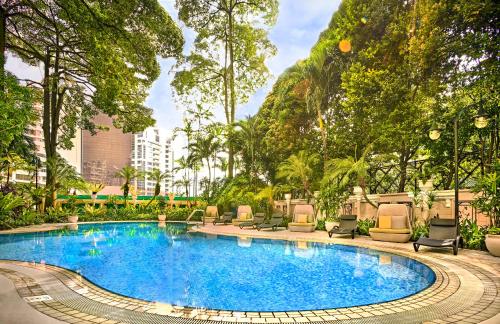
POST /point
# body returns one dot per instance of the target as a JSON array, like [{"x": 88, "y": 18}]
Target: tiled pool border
[{"x": 455, "y": 296}]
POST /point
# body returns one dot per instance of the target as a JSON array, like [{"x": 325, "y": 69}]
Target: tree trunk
[
  {"x": 230, "y": 165},
  {"x": 403, "y": 164},
  {"x": 209, "y": 176},
  {"x": 3, "y": 23},
  {"x": 46, "y": 126},
  {"x": 362, "y": 184}
]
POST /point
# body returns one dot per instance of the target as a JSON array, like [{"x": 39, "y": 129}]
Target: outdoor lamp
[
  {"x": 434, "y": 132},
  {"x": 481, "y": 119}
]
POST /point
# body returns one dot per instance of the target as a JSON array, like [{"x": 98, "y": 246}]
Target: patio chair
[
  {"x": 225, "y": 219},
  {"x": 443, "y": 233},
  {"x": 303, "y": 219},
  {"x": 348, "y": 225},
  {"x": 275, "y": 221},
  {"x": 392, "y": 224},
  {"x": 257, "y": 220},
  {"x": 244, "y": 214}
]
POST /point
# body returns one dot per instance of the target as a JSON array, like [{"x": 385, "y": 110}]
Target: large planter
[
  {"x": 73, "y": 219},
  {"x": 162, "y": 218},
  {"x": 329, "y": 225},
  {"x": 493, "y": 244}
]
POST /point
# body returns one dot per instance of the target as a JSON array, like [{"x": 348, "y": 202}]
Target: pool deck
[{"x": 467, "y": 290}]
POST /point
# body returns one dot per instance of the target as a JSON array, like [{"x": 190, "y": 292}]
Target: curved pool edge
[
  {"x": 81, "y": 278},
  {"x": 458, "y": 291},
  {"x": 222, "y": 310}
]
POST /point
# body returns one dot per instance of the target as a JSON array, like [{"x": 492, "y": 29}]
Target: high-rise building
[
  {"x": 105, "y": 153},
  {"x": 151, "y": 149},
  {"x": 73, "y": 156}
]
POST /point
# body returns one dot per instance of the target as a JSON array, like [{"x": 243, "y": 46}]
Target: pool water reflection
[{"x": 166, "y": 263}]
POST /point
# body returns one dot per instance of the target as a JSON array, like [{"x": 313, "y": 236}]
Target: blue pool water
[{"x": 169, "y": 265}]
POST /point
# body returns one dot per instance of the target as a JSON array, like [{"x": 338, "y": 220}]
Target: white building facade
[
  {"x": 73, "y": 156},
  {"x": 152, "y": 149}
]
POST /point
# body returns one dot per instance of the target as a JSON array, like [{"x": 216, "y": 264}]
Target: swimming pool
[{"x": 169, "y": 265}]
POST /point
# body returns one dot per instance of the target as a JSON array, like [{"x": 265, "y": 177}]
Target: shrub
[
  {"x": 364, "y": 225},
  {"x": 180, "y": 214},
  {"x": 420, "y": 230},
  {"x": 472, "y": 234},
  {"x": 55, "y": 215},
  {"x": 320, "y": 225}
]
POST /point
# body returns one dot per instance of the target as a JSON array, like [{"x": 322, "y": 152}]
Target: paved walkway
[{"x": 467, "y": 290}]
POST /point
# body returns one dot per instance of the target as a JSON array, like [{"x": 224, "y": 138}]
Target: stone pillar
[
  {"x": 358, "y": 195},
  {"x": 288, "y": 198}
]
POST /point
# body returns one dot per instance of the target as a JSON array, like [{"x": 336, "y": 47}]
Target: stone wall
[{"x": 442, "y": 206}]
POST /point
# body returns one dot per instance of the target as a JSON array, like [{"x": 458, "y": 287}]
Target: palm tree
[
  {"x": 314, "y": 77},
  {"x": 217, "y": 130},
  {"x": 203, "y": 149},
  {"x": 127, "y": 173},
  {"x": 250, "y": 142},
  {"x": 299, "y": 168},
  {"x": 183, "y": 164},
  {"x": 157, "y": 176},
  {"x": 94, "y": 188},
  {"x": 65, "y": 177},
  {"x": 343, "y": 170},
  {"x": 13, "y": 162},
  {"x": 221, "y": 164}
]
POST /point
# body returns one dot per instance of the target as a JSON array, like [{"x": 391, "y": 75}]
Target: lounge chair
[
  {"x": 275, "y": 221},
  {"x": 443, "y": 233},
  {"x": 392, "y": 224},
  {"x": 303, "y": 219},
  {"x": 244, "y": 214},
  {"x": 226, "y": 218},
  {"x": 348, "y": 225},
  {"x": 257, "y": 220}
]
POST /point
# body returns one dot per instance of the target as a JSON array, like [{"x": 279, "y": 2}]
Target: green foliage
[
  {"x": 127, "y": 173},
  {"x": 494, "y": 230},
  {"x": 331, "y": 200},
  {"x": 472, "y": 234},
  {"x": 94, "y": 188},
  {"x": 238, "y": 191},
  {"x": 488, "y": 200},
  {"x": 16, "y": 114},
  {"x": 70, "y": 206},
  {"x": 55, "y": 215},
  {"x": 180, "y": 214},
  {"x": 228, "y": 56},
  {"x": 300, "y": 169},
  {"x": 364, "y": 225},
  {"x": 419, "y": 230},
  {"x": 320, "y": 225}
]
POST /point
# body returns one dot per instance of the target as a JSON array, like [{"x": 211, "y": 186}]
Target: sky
[{"x": 297, "y": 29}]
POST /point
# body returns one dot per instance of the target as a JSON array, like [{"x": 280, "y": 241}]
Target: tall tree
[
  {"x": 97, "y": 57},
  {"x": 228, "y": 57}
]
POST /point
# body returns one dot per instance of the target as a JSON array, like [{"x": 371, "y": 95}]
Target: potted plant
[
  {"x": 488, "y": 203},
  {"x": 71, "y": 209},
  {"x": 331, "y": 221},
  {"x": 493, "y": 241},
  {"x": 160, "y": 213},
  {"x": 330, "y": 200}
]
